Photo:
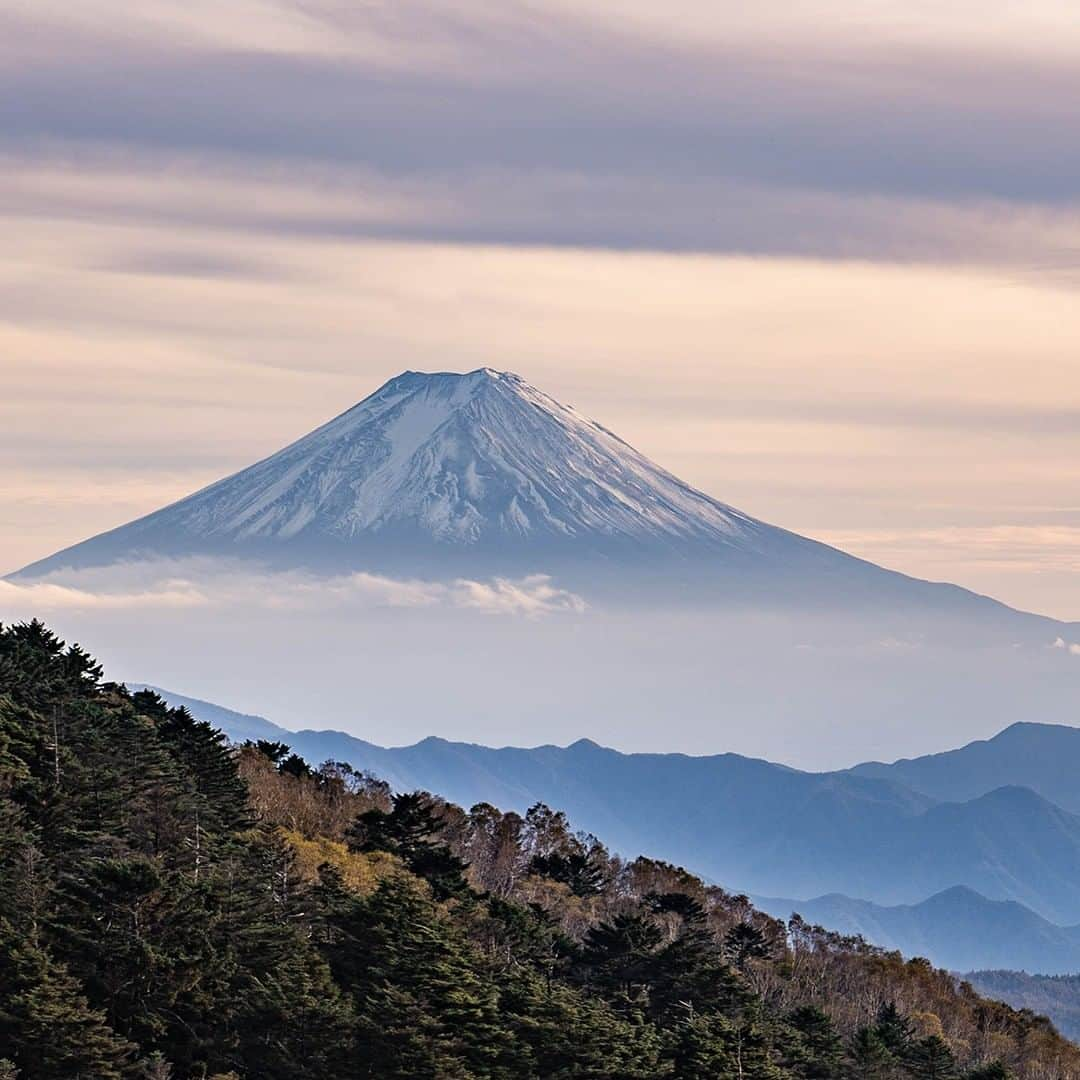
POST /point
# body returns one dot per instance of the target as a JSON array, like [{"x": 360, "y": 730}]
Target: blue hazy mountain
[
  {"x": 958, "y": 929},
  {"x": 1042, "y": 757},
  {"x": 1055, "y": 996},
  {"x": 748, "y": 824}
]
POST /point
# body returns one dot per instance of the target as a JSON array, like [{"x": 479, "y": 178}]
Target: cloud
[
  {"x": 542, "y": 125},
  {"x": 1071, "y": 647},
  {"x": 227, "y": 584},
  {"x": 561, "y": 204},
  {"x": 530, "y": 596},
  {"x": 27, "y": 599}
]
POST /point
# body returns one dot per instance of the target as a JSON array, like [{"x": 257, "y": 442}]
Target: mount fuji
[{"x": 480, "y": 473}]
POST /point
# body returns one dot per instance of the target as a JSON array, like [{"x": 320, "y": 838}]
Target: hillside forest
[{"x": 173, "y": 907}]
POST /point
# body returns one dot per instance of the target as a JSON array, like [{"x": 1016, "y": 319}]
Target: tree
[
  {"x": 931, "y": 1059},
  {"x": 709, "y": 1046},
  {"x": 424, "y": 1006},
  {"x": 576, "y": 870},
  {"x": 894, "y": 1031},
  {"x": 870, "y": 1056},
  {"x": 411, "y": 830},
  {"x": 817, "y": 1052},
  {"x": 46, "y": 1025},
  {"x": 564, "y": 1033},
  {"x": 745, "y": 942},
  {"x": 619, "y": 958}
]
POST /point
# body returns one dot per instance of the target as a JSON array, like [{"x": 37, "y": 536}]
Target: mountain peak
[{"x": 441, "y": 461}]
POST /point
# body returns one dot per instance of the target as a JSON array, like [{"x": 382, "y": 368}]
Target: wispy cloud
[
  {"x": 546, "y": 124},
  {"x": 226, "y": 584}
]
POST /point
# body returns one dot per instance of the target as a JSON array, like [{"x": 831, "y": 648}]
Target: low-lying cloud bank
[{"x": 220, "y": 583}]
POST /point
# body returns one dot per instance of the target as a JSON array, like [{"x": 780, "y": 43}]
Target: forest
[{"x": 173, "y": 907}]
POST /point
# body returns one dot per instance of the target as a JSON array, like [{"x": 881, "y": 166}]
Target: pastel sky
[{"x": 821, "y": 259}]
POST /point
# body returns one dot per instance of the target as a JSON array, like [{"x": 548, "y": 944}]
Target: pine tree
[
  {"x": 894, "y": 1030},
  {"x": 817, "y": 1052},
  {"x": 870, "y": 1056},
  {"x": 411, "y": 832},
  {"x": 710, "y": 1046},
  {"x": 424, "y": 1008},
  {"x": 46, "y": 1026},
  {"x": 931, "y": 1059},
  {"x": 620, "y": 958},
  {"x": 743, "y": 943},
  {"x": 565, "y": 1034}
]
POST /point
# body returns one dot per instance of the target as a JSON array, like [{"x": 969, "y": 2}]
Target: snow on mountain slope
[
  {"x": 461, "y": 458},
  {"x": 444, "y": 461},
  {"x": 481, "y": 474}
]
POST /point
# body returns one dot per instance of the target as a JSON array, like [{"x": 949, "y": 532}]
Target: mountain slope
[
  {"x": 1043, "y": 757},
  {"x": 446, "y": 474},
  {"x": 750, "y": 824},
  {"x": 1055, "y": 996},
  {"x": 171, "y": 907},
  {"x": 481, "y": 461},
  {"x": 958, "y": 929}
]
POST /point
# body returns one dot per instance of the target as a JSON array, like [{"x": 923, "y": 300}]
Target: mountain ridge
[
  {"x": 957, "y": 928},
  {"x": 767, "y": 825},
  {"x": 1039, "y": 756},
  {"x": 477, "y": 474}
]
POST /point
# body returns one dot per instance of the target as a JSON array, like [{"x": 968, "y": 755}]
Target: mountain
[
  {"x": 958, "y": 929},
  {"x": 1043, "y": 757},
  {"x": 481, "y": 473},
  {"x": 748, "y": 824},
  {"x": 173, "y": 907},
  {"x": 455, "y": 464},
  {"x": 1055, "y": 996}
]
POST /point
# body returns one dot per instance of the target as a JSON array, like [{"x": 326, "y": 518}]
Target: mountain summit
[
  {"x": 482, "y": 474},
  {"x": 441, "y": 466}
]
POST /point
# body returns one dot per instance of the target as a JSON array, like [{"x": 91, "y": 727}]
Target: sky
[{"x": 820, "y": 259}]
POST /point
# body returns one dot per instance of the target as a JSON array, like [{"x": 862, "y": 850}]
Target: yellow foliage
[
  {"x": 360, "y": 873},
  {"x": 927, "y": 1024}
]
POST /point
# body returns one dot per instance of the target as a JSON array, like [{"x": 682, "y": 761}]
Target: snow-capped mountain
[
  {"x": 481, "y": 473},
  {"x": 458, "y": 460},
  {"x": 445, "y": 464}
]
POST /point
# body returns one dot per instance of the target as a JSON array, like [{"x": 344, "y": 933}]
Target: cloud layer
[
  {"x": 225, "y": 585},
  {"x": 848, "y": 134}
]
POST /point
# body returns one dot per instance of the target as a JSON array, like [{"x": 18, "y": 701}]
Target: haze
[{"x": 820, "y": 262}]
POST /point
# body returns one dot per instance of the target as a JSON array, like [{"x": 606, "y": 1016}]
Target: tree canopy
[{"x": 172, "y": 906}]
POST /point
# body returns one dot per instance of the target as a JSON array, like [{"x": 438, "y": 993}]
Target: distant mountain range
[
  {"x": 1043, "y": 757},
  {"x": 1055, "y": 996},
  {"x": 770, "y": 830},
  {"x": 957, "y": 929}
]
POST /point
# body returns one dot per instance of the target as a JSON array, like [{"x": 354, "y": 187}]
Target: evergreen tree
[
  {"x": 565, "y": 1034},
  {"x": 931, "y": 1059},
  {"x": 894, "y": 1031},
  {"x": 619, "y": 958},
  {"x": 710, "y": 1046},
  {"x": 423, "y": 1005},
  {"x": 411, "y": 831},
  {"x": 817, "y": 1052},
  {"x": 871, "y": 1058},
  {"x": 46, "y": 1025},
  {"x": 577, "y": 870},
  {"x": 743, "y": 943}
]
